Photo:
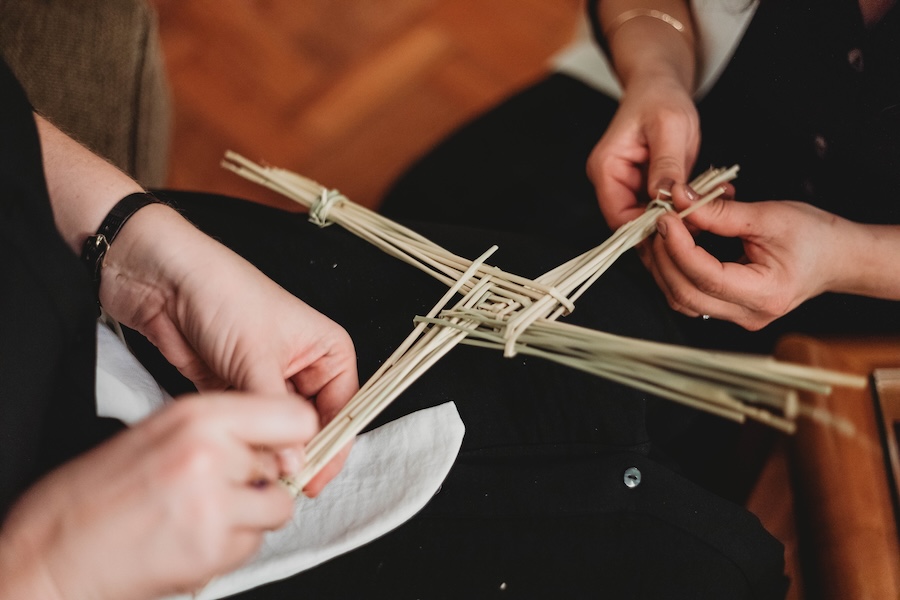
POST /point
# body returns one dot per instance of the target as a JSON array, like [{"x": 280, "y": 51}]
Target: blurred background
[{"x": 348, "y": 93}]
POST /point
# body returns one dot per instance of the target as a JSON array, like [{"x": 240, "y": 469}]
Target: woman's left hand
[{"x": 220, "y": 321}]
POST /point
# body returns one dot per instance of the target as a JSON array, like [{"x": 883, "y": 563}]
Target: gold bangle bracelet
[{"x": 634, "y": 13}]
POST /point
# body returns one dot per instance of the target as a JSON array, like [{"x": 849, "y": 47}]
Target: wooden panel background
[{"x": 345, "y": 92}]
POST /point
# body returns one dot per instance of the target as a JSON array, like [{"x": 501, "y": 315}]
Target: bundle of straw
[{"x": 519, "y": 315}]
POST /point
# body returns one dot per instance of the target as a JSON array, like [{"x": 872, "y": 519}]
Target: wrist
[
  {"x": 657, "y": 68},
  {"x": 96, "y": 246},
  {"x": 140, "y": 263},
  {"x": 22, "y": 574},
  {"x": 657, "y": 76},
  {"x": 650, "y": 41},
  {"x": 867, "y": 260}
]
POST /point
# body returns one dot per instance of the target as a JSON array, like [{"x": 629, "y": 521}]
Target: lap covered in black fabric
[
  {"x": 504, "y": 527},
  {"x": 536, "y": 499}
]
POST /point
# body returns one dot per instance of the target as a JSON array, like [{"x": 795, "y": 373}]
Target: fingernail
[
  {"x": 691, "y": 194},
  {"x": 661, "y": 228},
  {"x": 665, "y": 187}
]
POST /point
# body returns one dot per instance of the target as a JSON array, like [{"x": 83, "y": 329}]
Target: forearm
[
  {"x": 646, "y": 47},
  {"x": 21, "y": 576},
  {"x": 868, "y": 261},
  {"x": 82, "y": 186}
]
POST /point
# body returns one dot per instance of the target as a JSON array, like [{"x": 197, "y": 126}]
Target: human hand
[
  {"x": 161, "y": 508},
  {"x": 792, "y": 252},
  {"x": 221, "y": 322},
  {"x": 651, "y": 143}
]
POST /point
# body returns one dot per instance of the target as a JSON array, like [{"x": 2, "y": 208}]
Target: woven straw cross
[{"x": 519, "y": 315}]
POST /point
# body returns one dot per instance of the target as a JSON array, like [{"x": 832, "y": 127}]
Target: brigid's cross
[{"x": 519, "y": 315}]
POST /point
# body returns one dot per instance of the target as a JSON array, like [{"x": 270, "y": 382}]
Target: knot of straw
[
  {"x": 318, "y": 212},
  {"x": 661, "y": 203}
]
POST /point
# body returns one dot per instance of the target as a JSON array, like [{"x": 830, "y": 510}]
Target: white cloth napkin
[
  {"x": 125, "y": 390},
  {"x": 389, "y": 476}
]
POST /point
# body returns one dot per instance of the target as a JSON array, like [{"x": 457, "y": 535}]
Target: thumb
[
  {"x": 668, "y": 164},
  {"x": 264, "y": 378},
  {"x": 727, "y": 218}
]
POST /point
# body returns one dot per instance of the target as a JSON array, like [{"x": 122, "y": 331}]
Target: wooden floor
[{"x": 345, "y": 92}]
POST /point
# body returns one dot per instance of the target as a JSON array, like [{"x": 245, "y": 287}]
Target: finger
[
  {"x": 672, "y": 283},
  {"x": 330, "y": 399},
  {"x": 265, "y": 377},
  {"x": 618, "y": 183},
  {"x": 335, "y": 394},
  {"x": 174, "y": 346},
  {"x": 660, "y": 265},
  {"x": 693, "y": 268},
  {"x": 727, "y": 218},
  {"x": 264, "y": 467},
  {"x": 329, "y": 402},
  {"x": 690, "y": 291},
  {"x": 290, "y": 460},
  {"x": 684, "y": 196},
  {"x": 261, "y": 508},
  {"x": 685, "y": 199},
  {"x": 270, "y": 421},
  {"x": 670, "y": 156},
  {"x": 327, "y": 473}
]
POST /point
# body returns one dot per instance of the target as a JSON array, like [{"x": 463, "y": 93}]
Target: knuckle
[
  {"x": 718, "y": 210},
  {"x": 710, "y": 287},
  {"x": 679, "y": 299},
  {"x": 346, "y": 342},
  {"x": 678, "y": 115},
  {"x": 197, "y": 460},
  {"x": 667, "y": 163},
  {"x": 597, "y": 164},
  {"x": 188, "y": 412}
]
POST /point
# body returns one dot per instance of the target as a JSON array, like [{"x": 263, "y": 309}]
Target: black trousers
[{"x": 536, "y": 504}]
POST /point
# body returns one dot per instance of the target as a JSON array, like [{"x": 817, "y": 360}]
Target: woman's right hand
[
  {"x": 161, "y": 508},
  {"x": 651, "y": 143}
]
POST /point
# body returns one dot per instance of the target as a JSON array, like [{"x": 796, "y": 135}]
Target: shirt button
[
  {"x": 632, "y": 477},
  {"x": 855, "y": 58},
  {"x": 821, "y": 146}
]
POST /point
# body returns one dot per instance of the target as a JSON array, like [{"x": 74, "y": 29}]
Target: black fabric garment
[
  {"x": 809, "y": 106},
  {"x": 536, "y": 500},
  {"x": 596, "y": 539},
  {"x": 47, "y": 332}
]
